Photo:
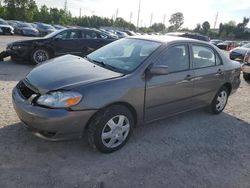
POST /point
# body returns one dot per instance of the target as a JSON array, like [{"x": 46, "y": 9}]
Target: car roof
[{"x": 166, "y": 39}]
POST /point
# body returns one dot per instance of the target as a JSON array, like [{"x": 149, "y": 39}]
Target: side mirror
[{"x": 158, "y": 70}]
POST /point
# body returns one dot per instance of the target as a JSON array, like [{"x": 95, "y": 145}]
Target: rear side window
[
  {"x": 203, "y": 57},
  {"x": 69, "y": 35},
  {"x": 90, "y": 35},
  {"x": 176, "y": 58}
]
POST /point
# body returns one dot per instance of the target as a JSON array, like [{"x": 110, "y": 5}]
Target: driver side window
[{"x": 175, "y": 57}]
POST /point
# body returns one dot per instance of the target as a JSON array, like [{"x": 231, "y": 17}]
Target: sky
[{"x": 194, "y": 11}]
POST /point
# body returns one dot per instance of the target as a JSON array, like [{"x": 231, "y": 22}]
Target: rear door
[
  {"x": 172, "y": 93},
  {"x": 209, "y": 73}
]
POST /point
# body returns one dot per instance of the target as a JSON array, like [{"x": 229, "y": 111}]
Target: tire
[
  {"x": 218, "y": 105},
  {"x": 39, "y": 55},
  {"x": 104, "y": 132},
  {"x": 246, "y": 76}
]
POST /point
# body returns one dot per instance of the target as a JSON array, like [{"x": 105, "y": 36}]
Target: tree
[
  {"x": 21, "y": 10},
  {"x": 158, "y": 27},
  {"x": 176, "y": 21},
  {"x": 205, "y": 27},
  {"x": 198, "y": 28}
]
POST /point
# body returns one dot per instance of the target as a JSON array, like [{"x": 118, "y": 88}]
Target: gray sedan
[{"x": 124, "y": 84}]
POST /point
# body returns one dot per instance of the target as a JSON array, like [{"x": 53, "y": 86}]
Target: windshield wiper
[{"x": 101, "y": 63}]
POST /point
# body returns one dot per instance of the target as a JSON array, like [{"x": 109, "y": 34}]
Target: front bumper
[
  {"x": 51, "y": 124},
  {"x": 246, "y": 68},
  {"x": 19, "y": 54}
]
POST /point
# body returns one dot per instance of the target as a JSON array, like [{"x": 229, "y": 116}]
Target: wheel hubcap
[
  {"x": 221, "y": 100},
  {"x": 115, "y": 131},
  {"x": 40, "y": 56}
]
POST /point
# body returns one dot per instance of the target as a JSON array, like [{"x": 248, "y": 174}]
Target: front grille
[{"x": 25, "y": 91}]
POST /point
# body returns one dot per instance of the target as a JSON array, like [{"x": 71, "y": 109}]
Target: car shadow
[{"x": 195, "y": 148}]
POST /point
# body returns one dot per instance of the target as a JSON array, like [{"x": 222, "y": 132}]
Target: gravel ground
[{"x": 195, "y": 149}]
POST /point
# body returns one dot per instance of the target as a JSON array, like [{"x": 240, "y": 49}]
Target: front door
[
  {"x": 67, "y": 42},
  {"x": 169, "y": 94}
]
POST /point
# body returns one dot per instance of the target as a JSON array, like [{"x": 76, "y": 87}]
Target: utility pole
[
  {"x": 80, "y": 12},
  {"x": 116, "y": 13},
  {"x": 216, "y": 18},
  {"x": 138, "y": 17},
  {"x": 130, "y": 18},
  {"x": 151, "y": 20},
  {"x": 66, "y": 6}
]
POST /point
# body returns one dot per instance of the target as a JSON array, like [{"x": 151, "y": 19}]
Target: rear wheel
[
  {"x": 110, "y": 129},
  {"x": 39, "y": 55},
  {"x": 220, "y": 100}
]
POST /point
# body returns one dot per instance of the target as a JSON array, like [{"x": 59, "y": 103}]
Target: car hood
[
  {"x": 8, "y": 26},
  {"x": 29, "y": 41},
  {"x": 66, "y": 71},
  {"x": 240, "y": 50}
]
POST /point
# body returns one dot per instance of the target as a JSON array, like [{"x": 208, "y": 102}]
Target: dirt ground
[{"x": 195, "y": 149}]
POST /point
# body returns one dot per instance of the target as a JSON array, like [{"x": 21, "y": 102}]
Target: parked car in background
[
  {"x": 44, "y": 29},
  {"x": 227, "y": 45},
  {"x": 77, "y": 41},
  {"x": 126, "y": 83},
  {"x": 246, "y": 66},
  {"x": 121, "y": 34},
  {"x": 58, "y": 27},
  {"x": 216, "y": 41},
  {"x": 26, "y": 29},
  {"x": 239, "y": 52},
  {"x": 190, "y": 35},
  {"x": 242, "y": 43},
  {"x": 5, "y": 28},
  {"x": 130, "y": 33},
  {"x": 109, "y": 33}
]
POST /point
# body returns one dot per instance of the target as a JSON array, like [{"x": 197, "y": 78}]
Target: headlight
[
  {"x": 18, "y": 47},
  {"x": 60, "y": 99}
]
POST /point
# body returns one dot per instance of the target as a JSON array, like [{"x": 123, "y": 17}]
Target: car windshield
[
  {"x": 25, "y": 25},
  {"x": 123, "y": 55},
  {"x": 54, "y": 33},
  {"x": 246, "y": 45},
  {"x": 3, "y": 22}
]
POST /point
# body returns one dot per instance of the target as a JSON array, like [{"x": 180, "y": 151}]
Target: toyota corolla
[{"x": 129, "y": 82}]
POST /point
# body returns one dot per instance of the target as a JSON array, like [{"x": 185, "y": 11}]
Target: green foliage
[
  {"x": 229, "y": 30},
  {"x": 176, "y": 21},
  {"x": 27, "y": 10},
  {"x": 158, "y": 27}
]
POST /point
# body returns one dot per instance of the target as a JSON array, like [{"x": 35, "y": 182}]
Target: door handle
[
  {"x": 189, "y": 77},
  {"x": 219, "y": 72}
]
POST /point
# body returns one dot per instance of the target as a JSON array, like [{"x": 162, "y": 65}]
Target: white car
[
  {"x": 5, "y": 28},
  {"x": 246, "y": 66}
]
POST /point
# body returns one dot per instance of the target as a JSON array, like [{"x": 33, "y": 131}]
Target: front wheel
[
  {"x": 39, "y": 55},
  {"x": 220, "y": 100},
  {"x": 246, "y": 76},
  {"x": 110, "y": 129}
]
